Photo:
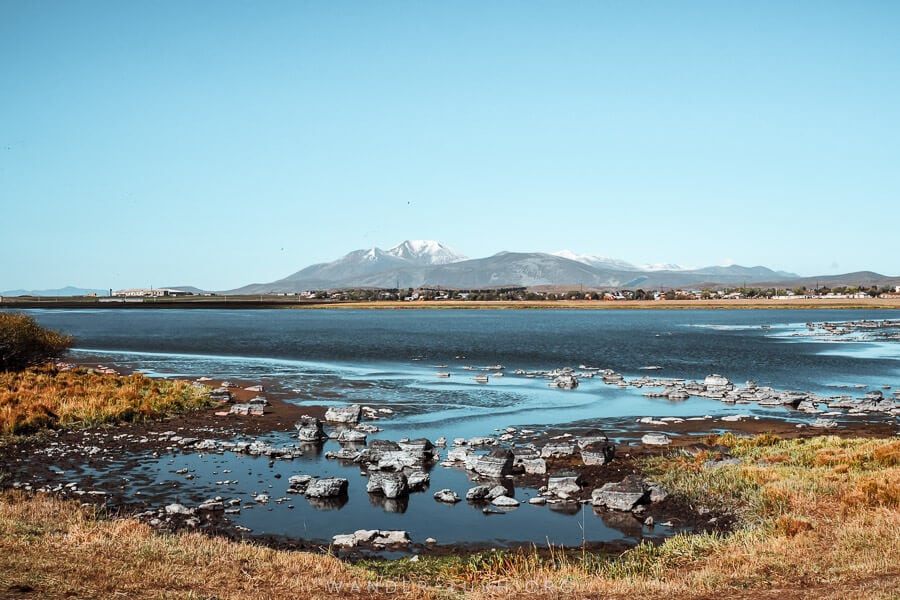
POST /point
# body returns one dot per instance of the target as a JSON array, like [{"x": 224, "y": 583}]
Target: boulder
[
  {"x": 620, "y": 496},
  {"x": 391, "y": 538},
  {"x": 495, "y": 464},
  {"x": 458, "y": 454},
  {"x": 421, "y": 448},
  {"x": 327, "y": 487},
  {"x": 505, "y": 502},
  {"x": 715, "y": 380},
  {"x": 565, "y": 382},
  {"x": 558, "y": 449},
  {"x": 656, "y": 493},
  {"x": 535, "y": 466},
  {"x": 397, "y": 460},
  {"x": 178, "y": 509},
  {"x": 351, "y": 436},
  {"x": 390, "y": 485},
  {"x": 564, "y": 484},
  {"x": 656, "y": 439},
  {"x": 482, "y": 441},
  {"x": 598, "y": 453},
  {"x": 591, "y": 436},
  {"x": 344, "y": 540},
  {"x": 447, "y": 495},
  {"x": 297, "y": 484},
  {"x": 309, "y": 430},
  {"x": 343, "y": 454},
  {"x": 479, "y": 492},
  {"x": 344, "y": 414},
  {"x": 417, "y": 481}
]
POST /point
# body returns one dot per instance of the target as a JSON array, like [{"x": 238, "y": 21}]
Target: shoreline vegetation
[
  {"x": 814, "y": 517},
  {"x": 293, "y": 302}
]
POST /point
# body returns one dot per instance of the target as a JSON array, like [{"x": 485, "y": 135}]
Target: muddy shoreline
[{"x": 38, "y": 459}]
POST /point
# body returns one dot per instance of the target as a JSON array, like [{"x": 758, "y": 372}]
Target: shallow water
[{"x": 389, "y": 359}]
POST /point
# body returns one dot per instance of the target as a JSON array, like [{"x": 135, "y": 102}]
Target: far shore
[{"x": 289, "y": 302}]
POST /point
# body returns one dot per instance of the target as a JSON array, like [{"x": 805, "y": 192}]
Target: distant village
[{"x": 536, "y": 294}]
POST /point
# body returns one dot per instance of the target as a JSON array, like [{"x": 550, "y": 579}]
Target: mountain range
[
  {"x": 422, "y": 263},
  {"x": 431, "y": 264}
]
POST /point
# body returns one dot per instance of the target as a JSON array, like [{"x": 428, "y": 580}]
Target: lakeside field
[
  {"x": 286, "y": 302},
  {"x": 818, "y": 518},
  {"x": 814, "y": 517}
]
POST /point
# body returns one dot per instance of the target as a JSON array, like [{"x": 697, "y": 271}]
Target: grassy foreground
[
  {"x": 47, "y": 398},
  {"x": 819, "y": 518}
]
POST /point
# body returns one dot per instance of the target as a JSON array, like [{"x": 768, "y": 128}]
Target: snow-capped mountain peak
[
  {"x": 425, "y": 252},
  {"x": 602, "y": 262},
  {"x": 664, "y": 267}
]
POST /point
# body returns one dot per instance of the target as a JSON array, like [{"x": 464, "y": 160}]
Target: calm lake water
[{"x": 388, "y": 358}]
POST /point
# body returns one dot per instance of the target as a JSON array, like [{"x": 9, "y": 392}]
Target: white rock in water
[
  {"x": 179, "y": 509},
  {"x": 344, "y": 414},
  {"x": 504, "y": 501},
  {"x": 656, "y": 439},
  {"x": 447, "y": 495}
]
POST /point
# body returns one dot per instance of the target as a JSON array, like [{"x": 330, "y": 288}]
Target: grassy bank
[
  {"x": 818, "y": 518},
  {"x": 48, "y": 398}
]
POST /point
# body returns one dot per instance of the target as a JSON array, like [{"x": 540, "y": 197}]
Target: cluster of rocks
[
  {"x": 376, "y": 538},
  {"x": 628, "y": 494},
  {"x": 720, "y": 388},
  {"x": 594, "y": 447}
]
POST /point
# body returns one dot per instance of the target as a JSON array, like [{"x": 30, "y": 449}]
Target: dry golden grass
[
  {"x": 59, "y": 550},
  {"x": 808, "y": 530},
  {"x": 47, "y": 398}
]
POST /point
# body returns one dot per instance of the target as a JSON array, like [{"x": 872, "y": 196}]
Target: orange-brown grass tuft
[
  {"x": 60, "y": 550},
  {"x": 47, "y": 398}
]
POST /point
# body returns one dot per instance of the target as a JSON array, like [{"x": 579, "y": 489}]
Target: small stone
[
  {"x": 447, "y": 495},
  {"x": 656, "y": 439},
  {"x": 505, "y": 502}
]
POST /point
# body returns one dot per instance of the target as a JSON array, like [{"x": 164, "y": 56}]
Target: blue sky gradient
[{"x": 223, "y": 143}]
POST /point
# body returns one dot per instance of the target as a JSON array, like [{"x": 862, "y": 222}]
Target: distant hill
[
  {"x": 430, "y": 264},
  {"x": 65, "y": 291}
]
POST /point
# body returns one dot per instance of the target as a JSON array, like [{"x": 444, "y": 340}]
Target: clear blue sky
[{"x": 223, "y": 143}]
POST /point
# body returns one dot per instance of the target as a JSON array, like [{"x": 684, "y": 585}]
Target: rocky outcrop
[
  {"x": 564, "y": 484},
  {"x": 351, "y": 436},
  {"x": 598, "y": 453},
  {"x": 656, "y": 439},
  {"x": 328, "y": 487},
  {"x": 478, "y": 493},
  {"x": 447, "y": 495},
  {"x": 421, "y": 448},
  {"x": 297, "y": 484},
  {"x": 558, "y": 449},
  {"x": 375, "y": 537},
  {"x": 534, "y": 466},
  {"x": 624, "y": 495},
  {"x": 417, "y": 481},
  {"x": 495, "y": 464},
  {"x": 390, "y": 485},
  {"x": 344, "y": 414},
  {"x": 309, "y": 430},
  {"x": 505, "y": 502}
]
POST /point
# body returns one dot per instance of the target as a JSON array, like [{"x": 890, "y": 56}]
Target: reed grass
[{"x": 48, "y": 398}]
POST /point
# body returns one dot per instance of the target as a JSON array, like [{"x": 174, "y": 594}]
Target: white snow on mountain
[
  {"x": 664, "y": 267},
  {"x": 616, "y": 264},
  {"x": 602, "y": 262},
  {"x": 426, "y": 252}
]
